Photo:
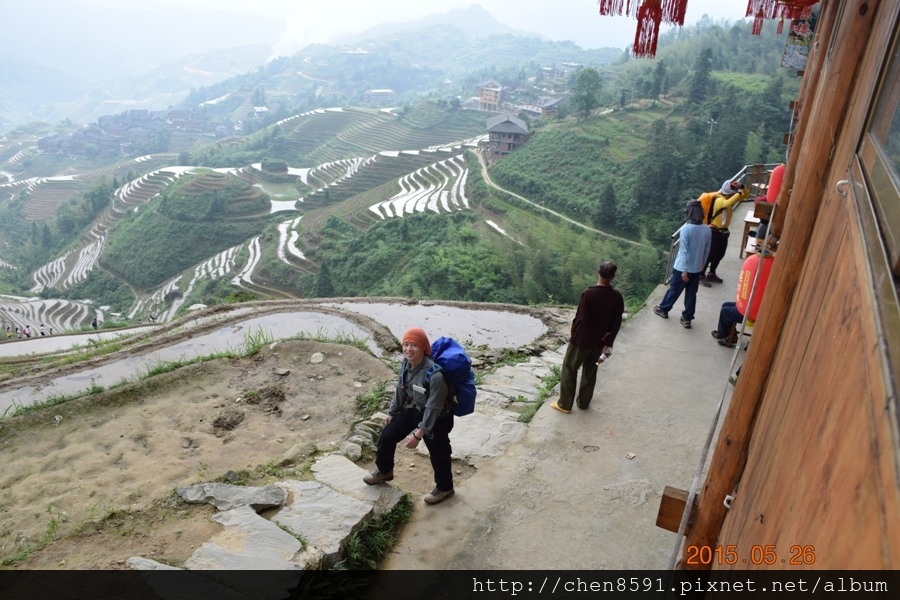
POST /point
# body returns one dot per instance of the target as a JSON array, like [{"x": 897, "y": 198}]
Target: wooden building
[
  {"x": 808, "y": 455},
  {"x": 505, "y": 133}
]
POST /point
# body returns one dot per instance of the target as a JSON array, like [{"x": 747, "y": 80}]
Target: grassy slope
[{"x": 568, "y": 164}]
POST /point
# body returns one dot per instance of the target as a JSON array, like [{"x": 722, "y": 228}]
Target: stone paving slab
[
  {"x": 247, "y": 541},
  {"x": 323, "y": 517},
  {"x": 345, "y": 476},
  {"x": 483, "y": 436}
]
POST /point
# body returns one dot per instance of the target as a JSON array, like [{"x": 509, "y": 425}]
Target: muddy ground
[{"x": 88, "y": 484}]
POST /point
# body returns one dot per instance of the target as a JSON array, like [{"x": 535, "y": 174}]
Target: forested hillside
[{"x": 341, "y": 201}]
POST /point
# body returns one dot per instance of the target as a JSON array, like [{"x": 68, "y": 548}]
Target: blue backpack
[{"x": 452, "y": 359}]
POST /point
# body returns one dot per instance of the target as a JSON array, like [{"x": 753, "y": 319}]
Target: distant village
[{"x": 139, "y": 132}]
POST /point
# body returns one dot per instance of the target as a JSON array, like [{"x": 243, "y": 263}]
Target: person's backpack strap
[{"x": 709, "y": 212}]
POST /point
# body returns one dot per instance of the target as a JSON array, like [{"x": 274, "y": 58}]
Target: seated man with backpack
[{"x": 419, "y": 411}]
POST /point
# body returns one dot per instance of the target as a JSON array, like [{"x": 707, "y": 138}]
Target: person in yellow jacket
[{"x": 719, "y": 206}]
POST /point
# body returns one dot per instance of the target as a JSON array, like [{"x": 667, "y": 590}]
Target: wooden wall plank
[
  {"x": 833, "y": 108},
  {"x": 818, "y": 485}
]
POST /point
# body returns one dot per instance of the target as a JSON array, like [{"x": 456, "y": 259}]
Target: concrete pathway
[{"x": 566, "y": 495}]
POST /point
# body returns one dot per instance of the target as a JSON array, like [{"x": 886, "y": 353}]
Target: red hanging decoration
[
  {"x": 610, "y": 7},
  {"x": 793, "y": 9},
  {"x": 768, "y": 8},
  {"x": 780, "y": 26},
  {"x": 757, "y": 23},
  {"x": 773, "y": 9},
  {"x": 650, "y": 13},
  {"x": 618, "y": 7},
  {"x": 647, "y": 35},
  {"x": 673, "y": 11}
]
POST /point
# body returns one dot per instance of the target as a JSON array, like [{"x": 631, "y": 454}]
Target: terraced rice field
[
  {"x": 55, "y": 314},
  {"x": 439, "y": 187},
  {"x": 429, "y": 177}
]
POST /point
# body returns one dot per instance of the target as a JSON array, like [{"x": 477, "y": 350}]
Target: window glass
[{"x": 885, "y": 128}]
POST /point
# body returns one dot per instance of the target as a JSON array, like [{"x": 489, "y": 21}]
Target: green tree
[
  {"x": 324, "y": 286},
  {"x": 586, "y": 94},
  {"x": 699, "y": 84},
  {"x": 659, "y": 79},
  {"x": 605, "y": 216}
]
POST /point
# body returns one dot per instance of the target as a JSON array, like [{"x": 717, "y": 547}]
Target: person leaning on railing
[{"x": 731, "y": 194}]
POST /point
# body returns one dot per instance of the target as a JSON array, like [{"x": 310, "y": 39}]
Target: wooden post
[
  {"x": 825, "y": 107},
  {"x": 818, "y": 54}
]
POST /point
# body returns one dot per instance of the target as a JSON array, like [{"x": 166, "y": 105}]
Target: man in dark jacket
[{"x": 594, "y": 330}]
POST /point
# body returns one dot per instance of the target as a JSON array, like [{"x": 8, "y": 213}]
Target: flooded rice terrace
[{"x": 495, "y": 329}]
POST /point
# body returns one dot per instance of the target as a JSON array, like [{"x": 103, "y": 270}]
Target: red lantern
[
  {"x": 775, "y": 183},
  {"x": 745, "y": 284}
]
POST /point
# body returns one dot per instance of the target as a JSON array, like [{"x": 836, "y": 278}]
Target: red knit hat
[{"x": 418, "y": 337}]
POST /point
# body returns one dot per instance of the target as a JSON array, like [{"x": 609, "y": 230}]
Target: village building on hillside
[
  {"x": 489, "y": 95},
  {"x": 379, "y": 97},
  {"x": 543, "y": 107},
  {"x": 505, "y": 133}
]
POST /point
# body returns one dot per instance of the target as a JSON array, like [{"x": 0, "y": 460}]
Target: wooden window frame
[{"x": 881, "y": 169}]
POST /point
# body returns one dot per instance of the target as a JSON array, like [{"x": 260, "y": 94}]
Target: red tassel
[
  {"x": 673, "y": 11},
  {"x": 647, "y": 35},
  {"x": 757, "y": 23},
  {"x": 610, "y": 7},
  {"x": 632, "y": 7},
  {"x": 762, "y": 9}
]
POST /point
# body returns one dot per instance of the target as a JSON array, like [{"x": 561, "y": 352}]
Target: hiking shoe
[
  {"x": 556, "y": 406},
  {"x": 715, "y": 334},
  {"x": 725, "y": 343},
  {"x": 436, "y": 496},
  {"x": 686, "y": 323},
  {"x": 704, "y": 281},
  {"x": 714, "y": 278},
  {"x": 660, "y": 312},
  {"x": 376, "y": 477}
]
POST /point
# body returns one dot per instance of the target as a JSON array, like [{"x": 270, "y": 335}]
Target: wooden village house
[{"x": 505, "y": 133}]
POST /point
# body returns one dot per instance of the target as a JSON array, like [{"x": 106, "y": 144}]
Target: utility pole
[{"x": 711, "y": 123}]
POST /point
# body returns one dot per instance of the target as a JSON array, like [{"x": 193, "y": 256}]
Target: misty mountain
[
  {"x": 99, "y": 45},
  {"x": 54, "y": 70},
  {"x": 475, "y": 21},
  {"x": 153, "y": 214},
  {"x": 52, "y": 73},
  {"x": 34, "y": 93}
]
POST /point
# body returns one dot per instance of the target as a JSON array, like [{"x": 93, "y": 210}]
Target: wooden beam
[
  {"x": 824, "y": 109},
  {"x": 671, "y": 509}
]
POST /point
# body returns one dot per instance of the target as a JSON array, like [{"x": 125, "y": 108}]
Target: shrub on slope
[{"x": 190, "y": 222}]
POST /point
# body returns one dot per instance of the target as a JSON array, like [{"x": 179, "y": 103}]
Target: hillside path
[{"x": 490, "y": 182}]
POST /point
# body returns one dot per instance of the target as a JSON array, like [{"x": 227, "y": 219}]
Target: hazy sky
[{"x": 308, "y": 21}]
